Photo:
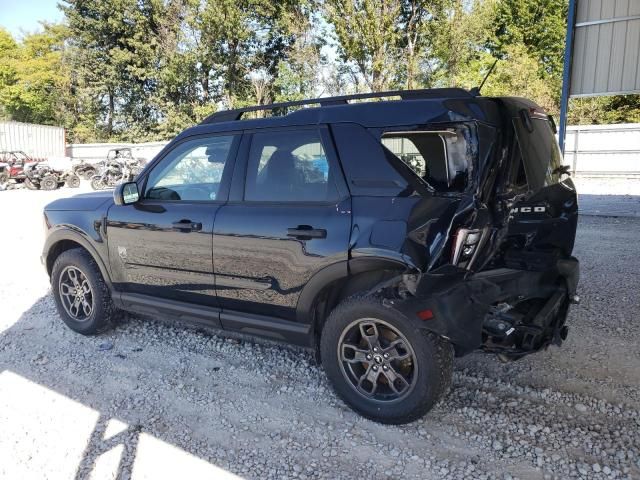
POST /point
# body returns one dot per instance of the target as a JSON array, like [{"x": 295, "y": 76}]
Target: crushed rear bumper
[{"x": 461, "y": 304}]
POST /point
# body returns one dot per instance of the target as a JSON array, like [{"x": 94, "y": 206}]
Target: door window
[
  {"x": 192, "y": 171},
  {"x": 289, "y": 166}
]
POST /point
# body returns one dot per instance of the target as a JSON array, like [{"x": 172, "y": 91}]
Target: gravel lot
[{"x": 151, "y": 400}]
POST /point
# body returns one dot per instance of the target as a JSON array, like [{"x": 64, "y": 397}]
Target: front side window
[
  {"x": 289, "y": 166},
  {"x": 192, "y": 171},
  {"x": 439, "y": 157}
]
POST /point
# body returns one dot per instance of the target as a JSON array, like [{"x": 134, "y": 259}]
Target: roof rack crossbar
[{"x": 236, "y": 114}]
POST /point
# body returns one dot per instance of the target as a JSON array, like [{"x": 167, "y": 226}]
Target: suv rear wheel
[
  {"x": 380, "y": 364},
  {"x": 81, "y": 295}
]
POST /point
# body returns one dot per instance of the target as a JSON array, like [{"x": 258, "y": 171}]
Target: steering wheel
[{"x": 196, "y": 193}]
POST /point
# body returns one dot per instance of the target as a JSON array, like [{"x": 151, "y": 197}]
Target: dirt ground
[{"x": 152, "y": 400}]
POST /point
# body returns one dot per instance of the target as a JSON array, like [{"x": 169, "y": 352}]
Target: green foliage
[
  {"x": 368, "y": 37},
  {"x": 604, "y": 110},
  {"x": 539, "y": 25},
  {"x": 33, "y": 77},
  {"x": 135, "y": 70}
]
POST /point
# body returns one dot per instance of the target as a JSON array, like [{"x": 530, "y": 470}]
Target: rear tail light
[{"x": 466, "y": 246}]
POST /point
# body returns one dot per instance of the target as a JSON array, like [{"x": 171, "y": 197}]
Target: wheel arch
[
  {"x": 65, "y": 239},
  {"x": 338, "y": 281}
]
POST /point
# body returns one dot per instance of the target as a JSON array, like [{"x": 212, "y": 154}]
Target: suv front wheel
[
  {"x": 380, "y": 364},
  {"x": 82, "y": 297}
]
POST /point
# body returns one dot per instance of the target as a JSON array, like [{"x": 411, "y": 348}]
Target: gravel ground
[{"x": 151, "y": 400}]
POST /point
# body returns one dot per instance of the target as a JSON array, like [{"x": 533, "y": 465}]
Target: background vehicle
[
  {"x": 310, "y": 228},
  {"x": 84, "y": 169},
  {"x": 12, "y": 165},
  {"x": 120, "y": 166},
  {"x": 42, "y": 176}
]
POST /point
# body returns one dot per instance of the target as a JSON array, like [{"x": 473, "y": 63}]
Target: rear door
[
  {"x": 287, "y": 218},
  {"x": 544, "y": 213}
]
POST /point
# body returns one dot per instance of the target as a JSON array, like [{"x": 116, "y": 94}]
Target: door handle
[
  {"x": 306, "y": 232},
  {"x": 187, "y": 225}
]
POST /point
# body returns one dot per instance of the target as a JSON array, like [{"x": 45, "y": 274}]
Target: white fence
[
  {"x": 603, "y": 150},
  {"x": 37, "y": 141}
]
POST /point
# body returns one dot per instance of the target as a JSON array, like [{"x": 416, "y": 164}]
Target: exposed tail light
[
  {"x": 466, "y": 246},
  {"x": 425, "y": 314}
]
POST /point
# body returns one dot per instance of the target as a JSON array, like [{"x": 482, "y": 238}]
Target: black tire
[
  {"x": 103, "y": 313},
  {"x": 430, "y": 375},
  {"x": 73, "y": 181},
  {"x": 96, "y": 183},
  {"x": 87, "y": 174},
  {"x": 29, "y": 184},
  {"x": 49, "y": 182},
  {"x": 4, "y": 178}
]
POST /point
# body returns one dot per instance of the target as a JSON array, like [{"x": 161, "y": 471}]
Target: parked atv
[
  {"x": 42, "y": 176},
  {"x": 120, "y": 166},
  {"x": 84, "y": 169},
  {"x": 12, "y": 164},
  {"x": 113, "y": 173}
]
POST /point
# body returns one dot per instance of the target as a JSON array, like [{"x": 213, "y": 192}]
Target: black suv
[{"x": 387, "y": 236}]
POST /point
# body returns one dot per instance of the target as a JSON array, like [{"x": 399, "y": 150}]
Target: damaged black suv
[{"x": 387, "y": 236}]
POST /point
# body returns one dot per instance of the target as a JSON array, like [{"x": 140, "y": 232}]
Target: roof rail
[{"x": 236, "y": 113}]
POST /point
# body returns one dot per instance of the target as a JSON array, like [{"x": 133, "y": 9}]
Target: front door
[
  {"x": 288, "y": 219},
  {"x": 162, "y": 245}
]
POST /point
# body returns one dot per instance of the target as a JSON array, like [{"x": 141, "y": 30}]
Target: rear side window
[
  {"x": 289, "y": 166},
  {"x": 439, "y": 157},
  {"x": 540, "y": 152}
]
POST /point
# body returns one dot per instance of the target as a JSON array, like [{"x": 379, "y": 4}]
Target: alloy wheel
[
  {"x": 75, "y": 293},
  {"x": 377, "y": 360}
]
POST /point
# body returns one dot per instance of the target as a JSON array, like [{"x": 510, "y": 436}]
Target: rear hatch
[{"x": 536, "y": 193}]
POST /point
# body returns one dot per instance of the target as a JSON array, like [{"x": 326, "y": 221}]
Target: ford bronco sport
[{"x": 387, "y": 236}]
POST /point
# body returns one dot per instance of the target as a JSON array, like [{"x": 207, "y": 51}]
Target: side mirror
[{"x": 126, "y": 193}]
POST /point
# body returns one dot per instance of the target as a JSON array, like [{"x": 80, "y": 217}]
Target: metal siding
[
  {"x": 603, "y": 149},
  {"x": 606, "y": 55},
  {"x": 38, "y": 141}
]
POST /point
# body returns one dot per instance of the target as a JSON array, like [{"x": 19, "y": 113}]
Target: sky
[{"x": 19, "y": 16}]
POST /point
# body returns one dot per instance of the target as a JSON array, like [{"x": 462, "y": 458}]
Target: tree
[
  {"x": 459, "y": 42},
  {"x": 114, "y": 60},
  {"x": 539, "y": 25},
  {"x": 368, "y": 36},
  {"x": 420, "y": 23},
  {"x": 512, "y": 76},
  {"x": 34, "y": 78}
]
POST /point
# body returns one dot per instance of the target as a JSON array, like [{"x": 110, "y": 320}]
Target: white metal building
[{"x": 38, "y": 141}]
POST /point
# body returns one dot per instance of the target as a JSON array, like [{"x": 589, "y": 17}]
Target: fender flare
[
  {"x": 342, "y": 270},
  {"x": 81, "y": 238}
]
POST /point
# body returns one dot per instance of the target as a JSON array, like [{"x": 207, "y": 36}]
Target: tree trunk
[
  {"x": 411, "y": 63},
  {"x": 204, "y": 83},
  {"x": 110, "y": 113}
]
